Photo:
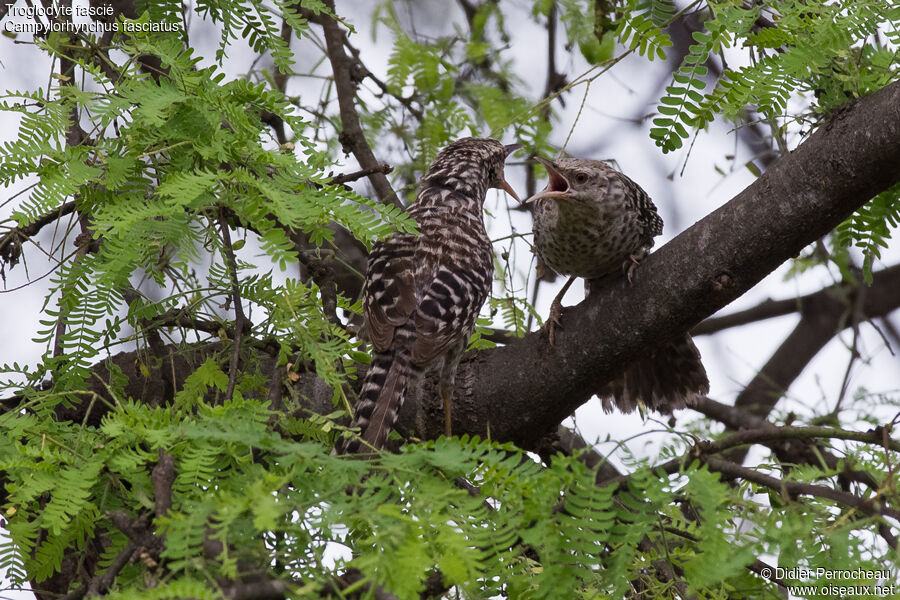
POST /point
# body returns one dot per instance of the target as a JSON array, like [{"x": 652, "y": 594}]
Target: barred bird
[
  {"x": 591, "y": 221},
  {"x": 423, "y": 292}
]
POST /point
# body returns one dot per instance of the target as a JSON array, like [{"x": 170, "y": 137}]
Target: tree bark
[{"x": 520, "y": 391}]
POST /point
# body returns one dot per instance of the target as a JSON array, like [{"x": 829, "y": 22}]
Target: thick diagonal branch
[
  {"x": 518, "y": 392},
  {"x": 525, "y": 389}
]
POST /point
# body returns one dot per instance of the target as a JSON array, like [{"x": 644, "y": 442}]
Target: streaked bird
[
  {"x": 423, "y": 292},
  {"x": 593, "y": 222}
]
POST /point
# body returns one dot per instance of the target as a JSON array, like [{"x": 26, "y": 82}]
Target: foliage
[
  {"x": 818, "y": 55},
  {"x": 641, "y": 29},
  {"x": 270, "y": 499},
  {"x": 187, "y": 148},
  {"x": 869, "y": 228},
  {"x": 157, "y": 157},
  {"x": 828, "y": 52}
]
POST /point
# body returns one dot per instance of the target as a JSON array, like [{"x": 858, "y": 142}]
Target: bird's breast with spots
[{"x": 585, "y": 241}]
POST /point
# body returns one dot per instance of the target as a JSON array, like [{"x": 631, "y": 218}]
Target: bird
[
  {"x": 592, "y": 221},
  {"x": 422, "y": 293}
]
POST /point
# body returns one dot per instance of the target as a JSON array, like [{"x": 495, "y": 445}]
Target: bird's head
[
  {"x": 472, "y": 165},
  {"x": 572, "y": 179}
]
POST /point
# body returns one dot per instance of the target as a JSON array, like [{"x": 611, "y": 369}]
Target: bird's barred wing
[
  {"x": 448, "y": 310},
  {"x": 649, "y": 217},
  {"x": 389, "y": 298}
]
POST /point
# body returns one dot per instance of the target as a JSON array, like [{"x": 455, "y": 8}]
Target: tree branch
[
  {"x": 793, "y": 451},
  {"x": 823, "y": 317},
  {"x": 100, "y": 583},
  {"x": 523, "y": 390},
  {"x": 705, "y": 451},
  {"x": 887, "y": 283},
  {"x": 518, "y": 392},
  {"x": 342, "y": 178},
  {"x": 793, "y": 488},
  {"x": 239, "y": 318},
  {"x": 408, "y": 102},
  {"x": 773, "y": 433},
  {"x": 10, "y": 243},
  {"x": 352, "y": 136},
  {"x": 163, "y": 476}
]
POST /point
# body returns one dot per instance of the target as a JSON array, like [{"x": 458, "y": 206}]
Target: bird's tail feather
[
  {"x": 382, "y": 395},
  {"x": 669, "y": 378}
]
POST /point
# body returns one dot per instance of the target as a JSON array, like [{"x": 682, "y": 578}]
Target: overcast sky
[{"x": 683, "y": 193}]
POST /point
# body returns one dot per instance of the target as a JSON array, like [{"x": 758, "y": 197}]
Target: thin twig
[
  {"x": 339, "y": 179},
  {"x": 100, "y": 583},
  {"x": 352, "y": 136},
  {"x": 794, "y": 488},
  {"x": 553, "y": 86},
  {"x": 857, "y": 316},
  {"x": 239, "y": 318}
]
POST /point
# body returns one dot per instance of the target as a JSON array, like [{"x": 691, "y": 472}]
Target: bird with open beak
[{"x": 593, "y": 222}]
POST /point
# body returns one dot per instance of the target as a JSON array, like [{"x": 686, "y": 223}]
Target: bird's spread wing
[{"x": 390, "y": 294}]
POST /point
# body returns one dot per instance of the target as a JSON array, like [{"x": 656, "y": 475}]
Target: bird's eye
[{"x": 580, "y": 177}]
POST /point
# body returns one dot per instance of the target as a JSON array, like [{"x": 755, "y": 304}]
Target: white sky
[{"x": 628, "y": 90}]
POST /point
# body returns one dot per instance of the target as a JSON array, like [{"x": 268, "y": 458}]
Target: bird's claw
[
  {"x": 631, "y": 264},
  {"x": 556, "y": 311},
  {"x": 553, "y": 321}
]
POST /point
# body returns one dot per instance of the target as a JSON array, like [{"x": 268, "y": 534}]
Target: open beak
[
  {"x": 510, "y": 148},
  {"x": 558, "y": 185}
]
